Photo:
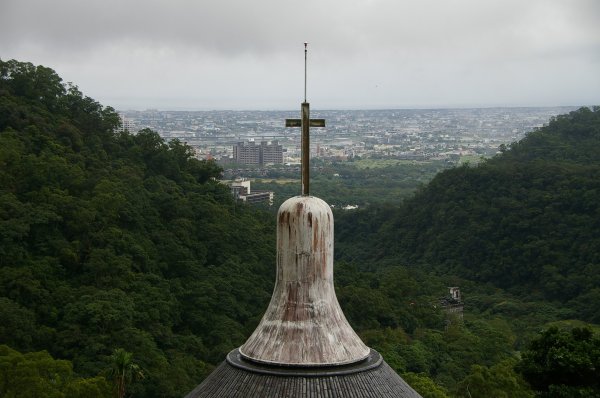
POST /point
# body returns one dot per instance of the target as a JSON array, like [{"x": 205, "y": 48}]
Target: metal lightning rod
[
  {"x": 305, "y": 122},
  {"x": 305, "y": 54}
]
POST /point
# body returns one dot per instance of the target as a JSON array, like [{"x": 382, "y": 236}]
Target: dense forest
[
  {"x": 527, "y": 220},
  {"x": 126, "y": 269},
  {"x": 110, "y": 240},
  {"x": 359, "y": 182}
]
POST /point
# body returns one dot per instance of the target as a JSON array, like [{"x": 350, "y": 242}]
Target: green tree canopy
[
  {"x": 563, "y": 363},
  {"x": 37, "y": 374},
  {"x": 109, "y": 239}
]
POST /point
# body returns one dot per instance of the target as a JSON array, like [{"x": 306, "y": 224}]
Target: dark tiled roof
[{"x": 236, "y": 377}]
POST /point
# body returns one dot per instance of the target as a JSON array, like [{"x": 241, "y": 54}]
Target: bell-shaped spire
[{"x": 304, "y": 324}]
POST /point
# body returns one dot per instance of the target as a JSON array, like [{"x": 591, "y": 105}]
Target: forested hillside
[
  {"x": 110, "y": 240},
  {"x": 121, "y": 255},
  {"x": 361, "y": 182},
  {"x": 520, "y": 233},
  {"x": 527, "y": 220}
]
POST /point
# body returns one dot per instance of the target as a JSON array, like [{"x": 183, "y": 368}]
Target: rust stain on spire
[{"x": 304, "y": 324}]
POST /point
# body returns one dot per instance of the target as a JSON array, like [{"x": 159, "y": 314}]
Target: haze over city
[{"x": 366, "y": 54}]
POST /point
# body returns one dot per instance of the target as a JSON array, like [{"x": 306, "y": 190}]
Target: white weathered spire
[{"x": 304, "y": 324}]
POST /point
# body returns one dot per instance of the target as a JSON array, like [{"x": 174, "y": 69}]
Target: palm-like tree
[{"x": 123, "y": 371}]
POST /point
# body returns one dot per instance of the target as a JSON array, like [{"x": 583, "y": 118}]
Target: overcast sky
[{"x": 363, "y": 54}]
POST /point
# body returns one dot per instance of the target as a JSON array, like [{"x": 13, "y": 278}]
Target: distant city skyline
[
  {"x": 363, "y": 54},
  {"x": 238, "y": 136}
]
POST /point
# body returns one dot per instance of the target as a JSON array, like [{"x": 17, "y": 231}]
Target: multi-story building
[
  {"x": 240, "y": 189},
  {"x": 265, "y": 153},
  {"x": 127, "y": 124},
  {"x": 271, "y": 153},
  {"x": 246, "y": 153}
]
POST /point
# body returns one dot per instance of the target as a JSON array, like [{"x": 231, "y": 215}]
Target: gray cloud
[{"x": 364, "y": 53}]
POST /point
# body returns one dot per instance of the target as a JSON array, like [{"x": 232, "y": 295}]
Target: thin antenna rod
[{"x": 305, "y": 52}]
